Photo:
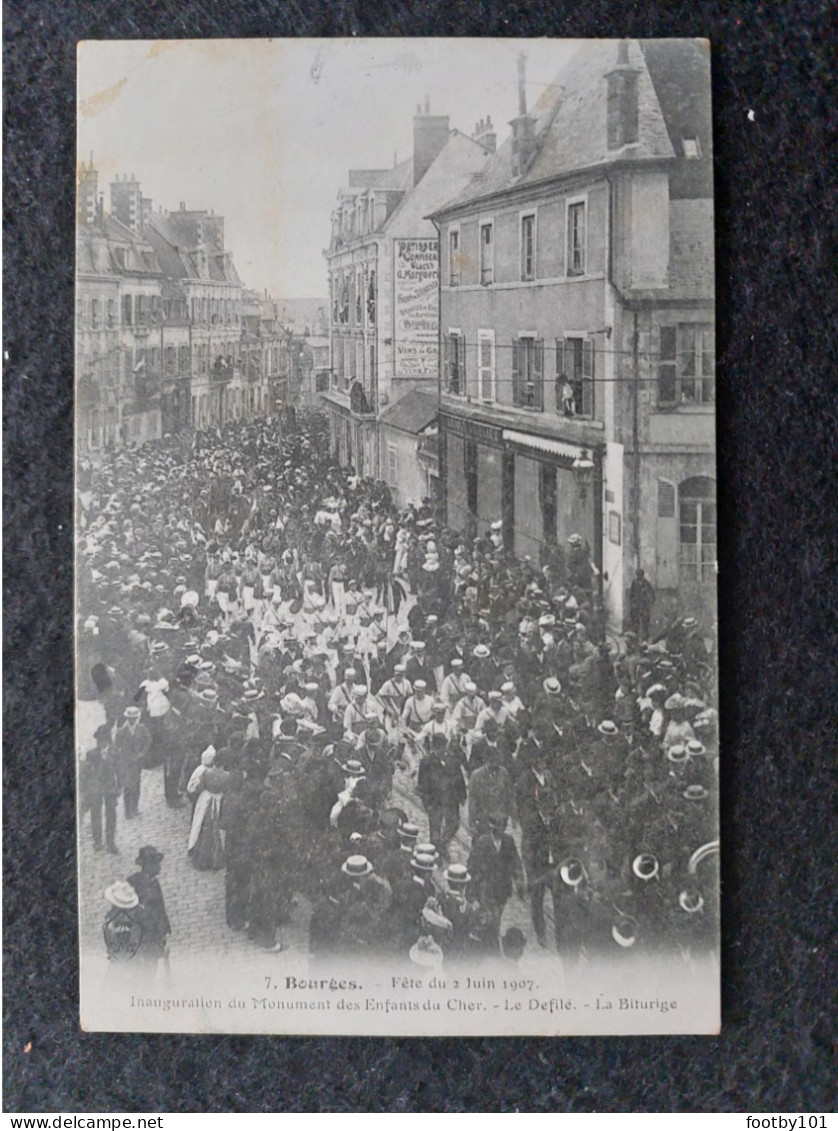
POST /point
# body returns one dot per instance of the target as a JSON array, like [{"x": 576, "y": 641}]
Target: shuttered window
[
  {"x": 454, "y": 257},
  {"x": 575, "y": 376},
  {"x": 455, "y": 364},
  {"x": 697, "y": 529},
  {"x": 487, "y": 253},
  {"x": 666, "y": 499},
  {"x": 687, "y": 364},
  {"x": 528, "y": 373},
  {"x": 486, "y": 364}
]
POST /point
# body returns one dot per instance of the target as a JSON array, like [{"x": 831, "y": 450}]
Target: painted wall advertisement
[{"x": 415, "y": 307}]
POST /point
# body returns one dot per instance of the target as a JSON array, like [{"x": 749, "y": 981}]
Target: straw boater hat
[
  {"x": 608, "y": 728},
  {"x": 552, "y": 686},
  {"x": 645, "y": 866},
  {"x": 457, "y": 874},
  {"x": 624, "y": 932},
  {"x": 356, "y": 866},
  {"x": 426, "y": 850},
  {"x": 132, "y": 713},
  {"x": 422, "y": 862},
  {"x": 572, "y": 872},
  {"x": 677, "y": 754},
  {"x": 353, "y": 769},
  {"x": 122, "y": 895},
  {"x": 695, "y": 792},
  {"x": 691, "y": 901},
  {"x": 696, "y": 749}
]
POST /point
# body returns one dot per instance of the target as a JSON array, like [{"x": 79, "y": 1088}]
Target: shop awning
[{"x": 543, "y": 444}]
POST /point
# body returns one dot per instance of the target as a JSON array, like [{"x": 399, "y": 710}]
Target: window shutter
[
  {"x": 461, "y": 363},
  {"x": 666, "y": 572},
  {"x": 587, "y": 358},
  {"x": 559, "y": 371},
  {"x": 538, "y": 374},
  {"x": 667, "y": 393},
  {"x": 484, "y": 350},
  {"x": 588, "y": 375},
  {"x": 516, "y": 376},
  {"x": 446, "y": 361}
]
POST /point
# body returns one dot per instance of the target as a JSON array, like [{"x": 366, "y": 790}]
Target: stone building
[
  {"x": 577, "y": 336},
  {"x": 383, "y": 284},
  {"x": 190, "y": 247},
  {"x": 119, "y": 310}
]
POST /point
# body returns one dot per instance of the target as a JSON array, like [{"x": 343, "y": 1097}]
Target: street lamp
[{"x": 583, "y": 466}]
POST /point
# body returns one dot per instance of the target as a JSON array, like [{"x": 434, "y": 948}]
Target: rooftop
[
  {"x": 412, "y": 413},
  {"x": 570, "y": 116}
]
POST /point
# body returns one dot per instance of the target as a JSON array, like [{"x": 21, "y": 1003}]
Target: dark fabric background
[{"x": 776, "y": 260}]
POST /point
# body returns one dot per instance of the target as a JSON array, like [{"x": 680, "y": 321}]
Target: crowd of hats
[{"x": 642, "y": 727}]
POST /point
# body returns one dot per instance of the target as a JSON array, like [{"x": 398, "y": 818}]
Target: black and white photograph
[{"x": 396, "y": 632}]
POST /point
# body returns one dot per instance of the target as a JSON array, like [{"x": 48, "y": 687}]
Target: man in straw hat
[{"x": 132, "y": 743}]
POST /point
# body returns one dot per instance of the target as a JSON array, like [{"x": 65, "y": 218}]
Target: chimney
[
  {"x": 88, "y": 193},
  {"x": 126, "y": 202},
  {"x": 523, "y": 127},
  {"x": 622, "y": 111},
  {"x": 430, "y": 136},
  {"x": 484, "y": 134}
]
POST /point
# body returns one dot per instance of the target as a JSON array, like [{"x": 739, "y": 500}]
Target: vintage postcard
[{"x": 396, "y": 537}]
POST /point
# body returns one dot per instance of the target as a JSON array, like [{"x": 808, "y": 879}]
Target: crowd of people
[{"x": 400, "y": 726}]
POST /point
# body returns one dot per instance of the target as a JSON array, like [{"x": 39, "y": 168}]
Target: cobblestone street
[{"x": 195, "y": 899}]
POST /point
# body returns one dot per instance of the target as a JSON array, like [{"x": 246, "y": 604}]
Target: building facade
[
  {"x": 263, "y": 357},
  {"x": 577, "y": 355},
  {"x": 383, "y": 286},
  {"x": 312, "y": 374},
  {"x": 163, "y": 343},
  {"x": 408, "y": 434},
  {"x": 119, "y": 305},
  {"x": 190, "y": 247}
]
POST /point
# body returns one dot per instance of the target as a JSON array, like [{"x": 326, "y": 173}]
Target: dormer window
[{"x": 692, "y": 150}]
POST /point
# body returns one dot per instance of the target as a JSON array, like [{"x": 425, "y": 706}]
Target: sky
[{"x": 264, "y": 131}]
